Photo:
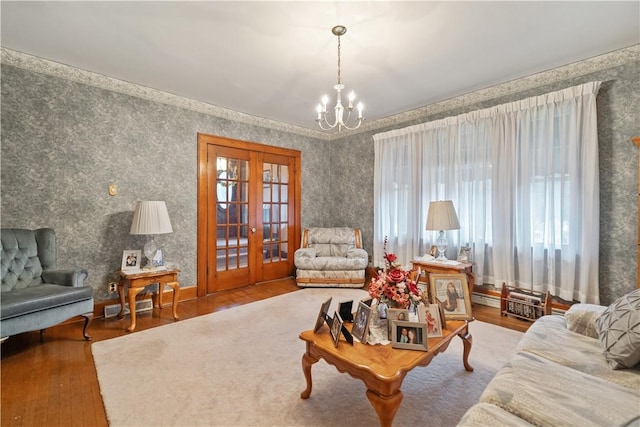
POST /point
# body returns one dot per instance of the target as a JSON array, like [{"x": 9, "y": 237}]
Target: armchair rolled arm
[
  {"x": 74, "y": 277},
  {"x": 305, "y": 253},
  {"x": 357, "y": 253}
]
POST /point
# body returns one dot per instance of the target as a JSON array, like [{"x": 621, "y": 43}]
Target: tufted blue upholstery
[
  {"x": 35, "y": 294},
  {"x": 21, "y": 267}
]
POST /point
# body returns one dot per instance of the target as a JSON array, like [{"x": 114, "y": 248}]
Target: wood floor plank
[{"x": 53, "y": 382}]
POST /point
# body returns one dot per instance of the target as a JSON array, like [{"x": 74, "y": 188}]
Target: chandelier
[{"x": 339, "y": 119}]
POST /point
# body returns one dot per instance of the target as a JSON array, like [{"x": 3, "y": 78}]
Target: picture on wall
[{"x": 452, "y": 291}]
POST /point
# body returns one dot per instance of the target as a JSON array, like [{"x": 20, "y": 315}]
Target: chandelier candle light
[
  {"x": 442, "y": 216},
  {"x": 339, "y": 120}
]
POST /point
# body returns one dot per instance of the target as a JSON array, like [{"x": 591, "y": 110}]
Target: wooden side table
[
  {"x": 138, "y": 281},
  {"x": 441, "y": 267}
]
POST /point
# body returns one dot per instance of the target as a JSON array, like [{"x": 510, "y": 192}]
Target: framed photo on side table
[
  {"x": 463, "y": 255},
  {"x": 409, "y": 335},
  {"x": 452, "y": 291},
  {"x": 131, "y": 260}
]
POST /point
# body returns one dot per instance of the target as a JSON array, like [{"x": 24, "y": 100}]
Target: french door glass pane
[{"x": 232, "y": 213}]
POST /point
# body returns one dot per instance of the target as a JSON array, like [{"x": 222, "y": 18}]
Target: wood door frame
[{"x": 204, "y": 141}]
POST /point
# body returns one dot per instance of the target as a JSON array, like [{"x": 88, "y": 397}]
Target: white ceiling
[{"x": 275, "y": 59}]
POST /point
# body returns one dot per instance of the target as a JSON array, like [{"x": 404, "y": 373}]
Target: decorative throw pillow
[
  {"x": 619, "y": 331},
  {"x": 581, "y": 318}
]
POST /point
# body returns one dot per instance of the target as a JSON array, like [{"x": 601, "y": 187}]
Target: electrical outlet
[{"x": 113, "y": 287}]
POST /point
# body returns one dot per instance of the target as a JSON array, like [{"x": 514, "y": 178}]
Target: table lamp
[
  {"x": 150, "y": 218},
  {"x": 442, "y": 216}
]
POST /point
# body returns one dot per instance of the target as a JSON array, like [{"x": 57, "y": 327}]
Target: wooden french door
[{"x": 248, "y": 213}]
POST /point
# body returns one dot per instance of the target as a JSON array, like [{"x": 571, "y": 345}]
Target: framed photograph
[
  {"x": 443, "y": 321},
  {"x": 409, "y": 335},
  {"x": 322, "y": 315},
  {"x": 336, "y": 328},
  {"x": 345, "y": 309},
  {"x": 361, "y": 323},
  {"x": 434, "y": 251},
  {"x": 452, "y": 291},
  {"x": 463, "y": 255},
  {"x": 131, "y": 260},
  {"x": 401, "y": 314},
  {"x": 433, "y": 320}
]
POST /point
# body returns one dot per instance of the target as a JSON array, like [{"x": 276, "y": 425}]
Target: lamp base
[{"x": 441, "y": 244}]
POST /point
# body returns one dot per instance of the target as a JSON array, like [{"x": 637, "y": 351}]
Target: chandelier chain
[{"x": 339, "y": 60}]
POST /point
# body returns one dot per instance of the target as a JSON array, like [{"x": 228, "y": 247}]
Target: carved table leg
[
  {"x": 121, "y": 295},
  {"x": 176, "y": 292},
  {"x": 132, "y": 306},
  {"x": 385, "y": 406},
  {"x": 307, "y": 361},
  {"x": 467, "y": 341}
]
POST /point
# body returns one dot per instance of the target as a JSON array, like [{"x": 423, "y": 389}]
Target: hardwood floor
[{"x": 50, "y": 380}]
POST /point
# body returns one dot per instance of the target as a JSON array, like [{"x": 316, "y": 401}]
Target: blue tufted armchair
[{"x": 35, "y": 294}]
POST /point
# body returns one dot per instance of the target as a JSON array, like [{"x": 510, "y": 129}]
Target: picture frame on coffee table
[
  {"x": 409, "y": 335},
  {"x": 322, "y": 315},
  {"x": 401, "y": 314},
  {"x": 452, "y": 290},
  {"x": 360, "y": 328},
  {"x": 336, "y": 328},
  {"x": 433, "y": 320}
]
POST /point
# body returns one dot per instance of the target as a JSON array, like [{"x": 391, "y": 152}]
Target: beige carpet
[{"x": 242, "y": 367}]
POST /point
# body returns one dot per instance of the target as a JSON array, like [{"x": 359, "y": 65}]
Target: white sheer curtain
[{"x": 523, "y": 177}]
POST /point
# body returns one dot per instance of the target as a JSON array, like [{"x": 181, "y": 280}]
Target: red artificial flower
[{"x": 397, "y": 276}]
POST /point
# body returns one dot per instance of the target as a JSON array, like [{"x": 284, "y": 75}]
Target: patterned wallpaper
[{"x": 64, "y": 140}]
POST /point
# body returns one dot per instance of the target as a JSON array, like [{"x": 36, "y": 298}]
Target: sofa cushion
[
  {"x": 546, "y": 393},
  {"x": 549, "y": 337},
  {"x": 619, "y": 331},
  {"x": 581, "y": 318},
  {"x": 485, "y": 414},
  {"x": 33, "y": 299}
]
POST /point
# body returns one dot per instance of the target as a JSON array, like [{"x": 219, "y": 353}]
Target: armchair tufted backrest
[
  {"x": 24, "y": 255},
  {"x": 335, "y": 241}
]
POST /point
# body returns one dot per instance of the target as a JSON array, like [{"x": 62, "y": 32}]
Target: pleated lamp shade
[
  {"x": 151, "y": 217},
  {"x": 442, "y": 216}
]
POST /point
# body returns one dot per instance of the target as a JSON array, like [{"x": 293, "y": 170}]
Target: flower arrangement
[{"x": 394, "y": 285}]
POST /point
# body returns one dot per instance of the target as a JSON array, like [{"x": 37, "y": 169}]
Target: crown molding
[{"x": 52, "y": 68}]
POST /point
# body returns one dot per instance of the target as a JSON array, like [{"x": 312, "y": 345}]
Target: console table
[
  {"x": 446, "y": 268},
  {"x": 138, "y": 281}
]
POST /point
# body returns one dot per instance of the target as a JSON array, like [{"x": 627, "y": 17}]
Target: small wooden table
[
  {"x": 446, "y": 268},
  {"x": 137, "y": 282},
  {"x": 381, "y": 367}
]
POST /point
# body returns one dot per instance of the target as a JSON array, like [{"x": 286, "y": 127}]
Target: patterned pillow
[
  {"x": 619, "y": 331},
  {"x": 581, "y": 318}
]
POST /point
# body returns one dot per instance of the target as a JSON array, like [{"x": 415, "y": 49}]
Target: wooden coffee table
[{"x": 381, "y": 367}]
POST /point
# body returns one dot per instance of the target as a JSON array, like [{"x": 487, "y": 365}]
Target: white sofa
[
  {"x": 331, "y": 257},
  {"x": 562, "y": 375}
]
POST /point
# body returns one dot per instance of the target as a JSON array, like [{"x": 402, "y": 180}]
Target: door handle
[{"x": 253, "y": 229}]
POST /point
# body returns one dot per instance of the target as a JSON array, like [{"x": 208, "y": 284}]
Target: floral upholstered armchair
[{"x": 331, "y": 257}]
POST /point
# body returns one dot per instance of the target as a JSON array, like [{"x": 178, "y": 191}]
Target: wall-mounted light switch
[{"x": 113, "y": 189}]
